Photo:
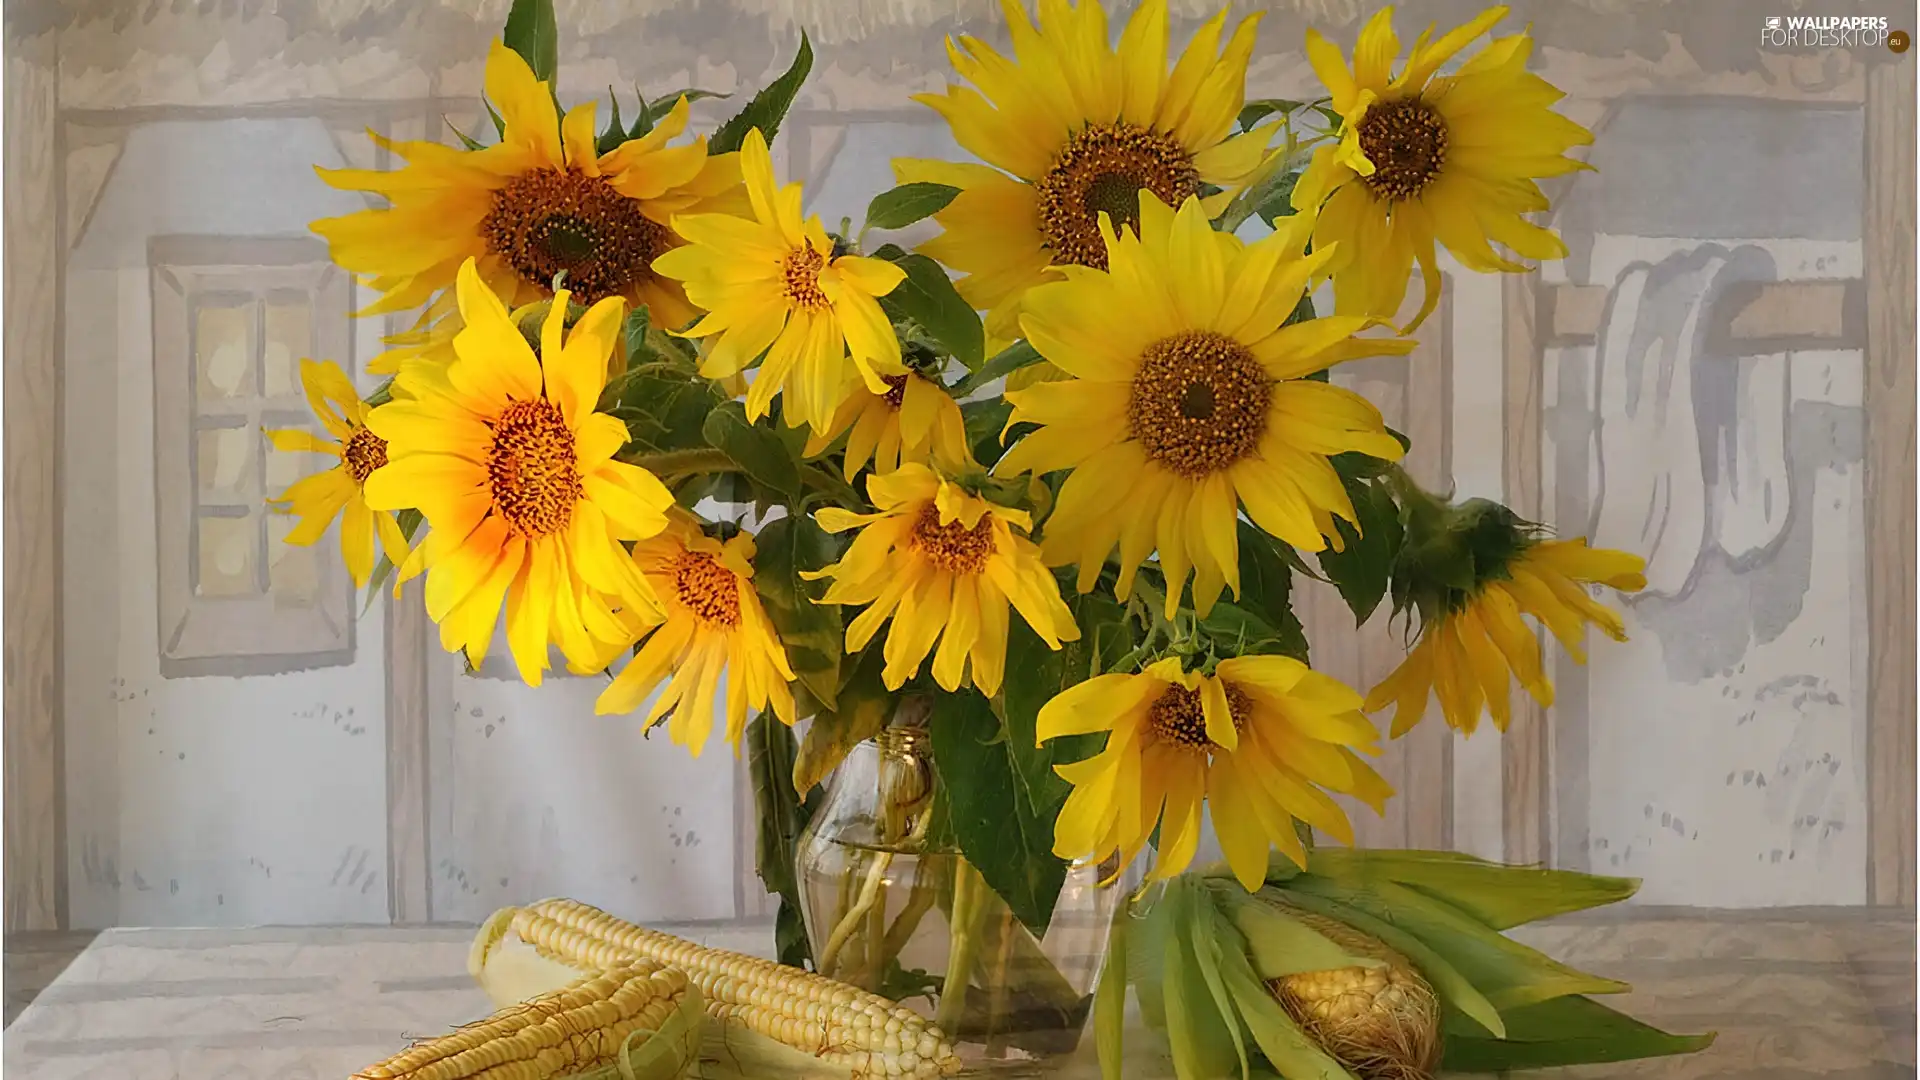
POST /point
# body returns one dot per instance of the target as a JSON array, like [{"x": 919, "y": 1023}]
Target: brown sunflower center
[
  {"x": 534, "y": 473},
  {"x": 1177, "y": 718},
  {"x": 363, "y": 453},
  {"x": 1407, "y": 142},
  {"x": 707, "y": 589},
  {"x": 801, "y": 278},
  {"x": 1199, "y": 402},
  {"x": 952, "y": 546},
  {"x": 547, "y": 221},
  {"x": 896, "y": 389},
  {"x": 1104, "y": 168}
]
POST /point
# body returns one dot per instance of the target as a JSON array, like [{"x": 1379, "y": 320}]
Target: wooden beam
[
  {"x": 1524, "y": 760},
  {"x": 1889, "y": 243},
  {"x": 1749, "y": 318},
  {"x": 1574, "y": 313},
  {"x": 35, "y": 859}
]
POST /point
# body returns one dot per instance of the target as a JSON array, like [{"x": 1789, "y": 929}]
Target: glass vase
[{"x": 893, "y": 909}]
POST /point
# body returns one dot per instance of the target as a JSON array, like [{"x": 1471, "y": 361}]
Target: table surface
[{"x": 1794, "y": 997}]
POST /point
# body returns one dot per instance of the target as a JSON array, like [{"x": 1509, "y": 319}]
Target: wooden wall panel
[
  {"x": 1524, "y": 761},
  {"x": 1889, "y": 256},
  {"x": 1414, "y": 394},
  {"x": 35, "y": 859}
]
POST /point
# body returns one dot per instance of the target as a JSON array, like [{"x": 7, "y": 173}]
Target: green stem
[
  {"x": 920, "y": 900},
  {"x": 964, "y": 944}
]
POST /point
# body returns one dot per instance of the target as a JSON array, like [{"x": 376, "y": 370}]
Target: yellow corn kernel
[
  {"x": 834, "y": 1022},
  {"x": 568, "y": 1031}
]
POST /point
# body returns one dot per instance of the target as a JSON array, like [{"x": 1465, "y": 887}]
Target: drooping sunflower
[
  {"x": 540, "y": 202},
  {"x": 1473, "y": 643},
  {"x": 1424, "y": 157},
  {"x": 915, "y": 422},
  {"x": 943, "y": 565},
  {"x": 337, "y": 492},
  {"x": 1260, "y": 742},
  {"x": 1070, "y": 128},
  {"x": 513, "y": 470},
  {"x": 1193, "y": 406},
  {"x": 714, "y": 625},
  {"x": 770, "y": 283}
]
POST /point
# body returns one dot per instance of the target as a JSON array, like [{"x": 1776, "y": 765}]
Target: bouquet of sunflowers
[{"x": 1034, "y": 493}]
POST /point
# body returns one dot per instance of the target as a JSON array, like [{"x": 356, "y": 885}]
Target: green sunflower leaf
[
  {"x": 810, "y": 630},
  {"x": 1277, "y": 202},
  {"x": 1259, "y": 109},
  {"x": 1005, "y": 362},
  {"x": 1266, "y": 589},
  {"x": 534, "y": 33},
  {"x": 768, "y": 107},
  {"x": 900, "y": 207},
  {"x": 782, "y": 815},
  {"x": 928, "y": 297},
  {"x": 995, "y": 824},
  {"x": 863, "y": 707},
  {"x": 1362, "y": 569},
  {"x": 756, "y": 448}
]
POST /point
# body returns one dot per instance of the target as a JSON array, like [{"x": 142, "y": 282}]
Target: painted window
[{"x": 232, "y": 319}]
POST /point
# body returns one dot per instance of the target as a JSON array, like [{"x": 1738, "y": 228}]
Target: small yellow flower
[
  {"x": 1259, "y": 742},
  {"x": 339, "y": 491},
  {"x": 514, "y": 471},
  {"x": 1468, "y": 657},
  {"x": 714, "y": 626},
  {"x": 1424, "y": 157},
  {"x": 915, "y": 422},
  {"x": 943, "y": 565},
  {"x": 771, "y": 284}
]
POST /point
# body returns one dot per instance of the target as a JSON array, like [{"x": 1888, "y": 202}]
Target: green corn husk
[{"x": 1368, "y": 965}]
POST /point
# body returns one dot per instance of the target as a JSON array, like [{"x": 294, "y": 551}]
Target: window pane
[
  {"x": 223, "y": 350},
  {"x": 289, "y": 340},
  {"x": 229, "y": 549},
  {"x": 286, "y": 466},
  {"x": 227, "y": 465},
  {"x": 293, "y": 572}
]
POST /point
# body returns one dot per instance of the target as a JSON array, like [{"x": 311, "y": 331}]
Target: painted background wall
[{"x": 1720, "y": 376}]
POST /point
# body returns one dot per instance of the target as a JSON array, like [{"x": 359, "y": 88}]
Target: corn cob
[
  {"x": 1382, "y": 1023},
  {"x": 827, "y": 1019},
  {"x": 579, "y": 1029}
]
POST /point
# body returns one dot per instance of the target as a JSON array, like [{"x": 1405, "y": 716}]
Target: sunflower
[
  {"x": 337, "y": 492},
  {"x": 714, "y": 625},
  {"x": 1084, "y": 129},
  {"x": 513, "y": 470},
  {"x": 1467, "y": 650},
  {"x": 1261, "y": 741},
  {"x": 1424, "y": 157},
  {"x": 1193, "y": 406},
  {"x": 538, "y": 203},
  {"x": 915, "y": 422},
  {"x": 772, "y": 284},
  {"x": 942, "y": 565}
]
